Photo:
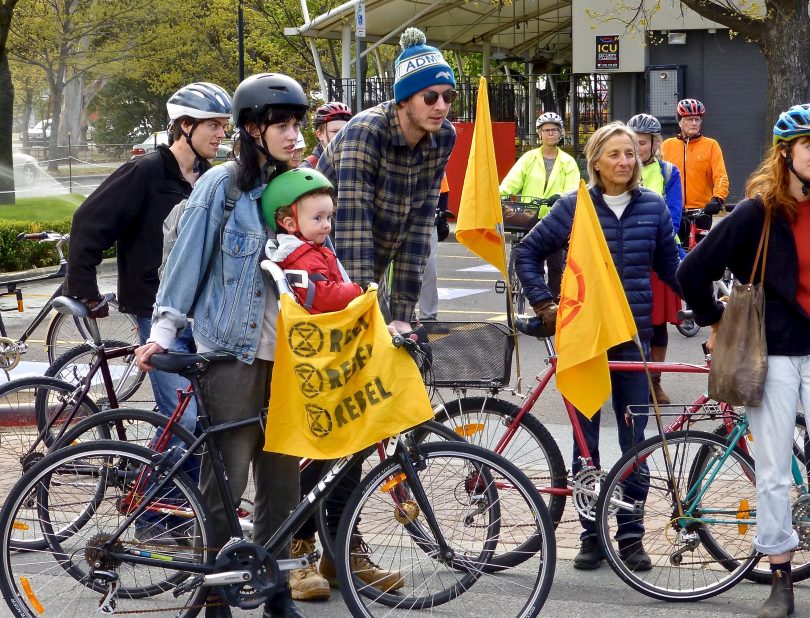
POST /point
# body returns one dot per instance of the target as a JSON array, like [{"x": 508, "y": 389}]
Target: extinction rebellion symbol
[
  {"x": 305, "y": 339},
  {"x": 310, "y": 380},
  {"x": 319, "y": 421}
]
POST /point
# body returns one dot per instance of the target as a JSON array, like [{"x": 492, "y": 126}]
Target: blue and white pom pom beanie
[{"x": 419, "y": 66}]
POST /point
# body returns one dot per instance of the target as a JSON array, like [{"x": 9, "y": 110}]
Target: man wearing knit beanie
[{"x": 387, "y": 165}]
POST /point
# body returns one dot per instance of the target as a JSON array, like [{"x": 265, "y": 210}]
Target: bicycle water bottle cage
[{"x": 534, "y": 327}]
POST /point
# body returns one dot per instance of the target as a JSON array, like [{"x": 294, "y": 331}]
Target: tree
[
  {"x": 6, "y": 106},
  {"x": 783, "y": 35}
]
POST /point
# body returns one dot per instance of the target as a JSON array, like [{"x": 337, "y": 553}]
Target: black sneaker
[
  {"x": 632, "y": 553},
  {"x": 590, "y": 555}
]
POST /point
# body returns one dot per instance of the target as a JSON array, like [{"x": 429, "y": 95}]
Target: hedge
[{"x": 17, "y": 255}]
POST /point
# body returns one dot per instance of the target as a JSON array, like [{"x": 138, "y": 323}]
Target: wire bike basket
[{"x": 470, "y": 354}]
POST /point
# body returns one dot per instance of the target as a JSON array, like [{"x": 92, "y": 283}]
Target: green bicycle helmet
[{"x": 287, "y": 188}]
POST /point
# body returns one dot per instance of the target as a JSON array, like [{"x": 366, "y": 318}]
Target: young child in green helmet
[{"x": 298, "y": 206}]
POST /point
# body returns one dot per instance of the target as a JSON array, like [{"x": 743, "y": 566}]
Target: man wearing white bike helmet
[{"x": 545, "y": 172}]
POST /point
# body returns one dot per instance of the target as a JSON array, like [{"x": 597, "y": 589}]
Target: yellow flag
[
  {"x": 339, "y": 385},
  {"x": 480, "y": 220},
  {"x": 593, "y": 315}
]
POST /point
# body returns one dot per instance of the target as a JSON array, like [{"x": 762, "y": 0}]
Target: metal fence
[{"x": 582, "y": 100}]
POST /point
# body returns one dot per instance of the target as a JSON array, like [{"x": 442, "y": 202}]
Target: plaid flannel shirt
[{"x": 386, "y": 200}]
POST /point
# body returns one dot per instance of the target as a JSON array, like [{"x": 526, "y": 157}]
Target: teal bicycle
[{"x": 699, "y": 517}]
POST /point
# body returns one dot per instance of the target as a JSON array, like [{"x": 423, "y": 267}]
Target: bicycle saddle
[
  {"x": 71, "y": 306},
  {"x": 181, "y": 362}
]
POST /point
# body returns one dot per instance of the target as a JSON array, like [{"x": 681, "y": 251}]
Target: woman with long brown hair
[{"x": 780, "y": 188}]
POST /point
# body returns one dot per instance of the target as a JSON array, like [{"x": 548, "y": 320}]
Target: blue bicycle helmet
[{"x": 792, "y": 124}]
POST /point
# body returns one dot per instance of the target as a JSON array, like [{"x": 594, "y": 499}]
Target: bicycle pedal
[{"x": 500, "y": 287}]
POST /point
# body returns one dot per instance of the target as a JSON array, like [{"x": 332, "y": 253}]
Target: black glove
[
  {"x": 713, "y": 206},
  {"x": 442, "y": 228},
  {"x": 546, "y": 310},
  {"x": 553, "y": 199},
  {"x": 97, "y": 307}
]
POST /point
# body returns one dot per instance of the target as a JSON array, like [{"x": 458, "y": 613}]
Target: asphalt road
[{"x": 467, "y": 293}]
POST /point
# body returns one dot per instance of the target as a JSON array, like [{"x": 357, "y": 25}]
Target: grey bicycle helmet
[
  {"x": 549, "y": 118},
  {"x": 259, "y": 92},
  {"x": 644, "y": 124},
  {"x": 199, "y": 100}
]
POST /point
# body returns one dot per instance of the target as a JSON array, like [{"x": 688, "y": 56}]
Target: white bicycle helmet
[
  {"x": 199, "y": 100},
  {"x": 549, "y": 118}
]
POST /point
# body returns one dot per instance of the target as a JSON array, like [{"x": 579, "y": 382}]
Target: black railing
[{"x": 584, "y": 110}]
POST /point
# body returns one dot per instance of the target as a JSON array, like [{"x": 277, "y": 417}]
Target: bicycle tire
[
  {"x": 29, "y": 580},
  {"x": 27, "y": 406},
  {"x": 443, "y": 470},
  {"x": 63, "y": 333},
  {"x": 682, "y": 567},
  {"x": 515, "y": 286},
  {"x": 75, "y": 364},
  {"x": 545, "y": 469},
  {"x": 800, "y": 560},
  {"x": 421, "y": 434},
  {"x": 687, "y": 328}
]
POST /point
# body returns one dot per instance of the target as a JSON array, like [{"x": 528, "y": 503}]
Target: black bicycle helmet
[
  {"x": 259, "y": 92},
  {"x": 644, "y": 124},
  {"x": 328, "y": 112},
  {"x": 199, "y": 100}
]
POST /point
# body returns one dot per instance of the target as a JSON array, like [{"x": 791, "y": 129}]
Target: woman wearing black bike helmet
[
  {"x": 665, "y": 179},
  {"x": 213, "y": 272},
  {"x": 780, "y": 187}
]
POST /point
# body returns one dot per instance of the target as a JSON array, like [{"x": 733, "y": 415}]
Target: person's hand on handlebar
[
  {"x": 144, "y": 353},
  {"x": 398, "y": 327},
  {"x": 713, "y": 206},
  {"x": 546, "y": 310}
]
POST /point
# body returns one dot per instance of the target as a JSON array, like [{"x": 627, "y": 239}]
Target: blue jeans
[
  {"x": 628, "y": 388},
  {"x": 165, "y": 385}
]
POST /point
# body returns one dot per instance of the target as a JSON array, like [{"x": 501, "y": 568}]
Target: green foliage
[
  {"x": 16, "y": 255},
  {"x": 128, "y": 111}
]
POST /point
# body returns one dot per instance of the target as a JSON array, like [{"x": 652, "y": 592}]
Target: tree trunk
[
  {"x": 786, "y": 46},
  {"x": 28, "y": 106},
  {"x": 56, "y": 113},
  {"x": 72, "y": 112}
]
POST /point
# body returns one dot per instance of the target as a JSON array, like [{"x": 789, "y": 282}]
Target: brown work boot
[
  {"x": 660, "y": 395},
  {"x": 780, "y": 603},
  {"x": 307, "y": 584},
  {"x": 362, "y": 566}
]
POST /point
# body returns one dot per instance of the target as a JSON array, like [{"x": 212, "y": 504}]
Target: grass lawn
[{"x": 30, "y": 209}]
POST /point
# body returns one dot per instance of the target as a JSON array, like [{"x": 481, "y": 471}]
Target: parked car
[
  {"x": 162, "y": 137},
  {"x": 26, "y": 169}
]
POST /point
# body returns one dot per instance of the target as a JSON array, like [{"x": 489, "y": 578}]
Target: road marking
[
  {"x": 470, "y": 280},
  {"x": 484, "y": 268},
  {"x": 499, "y": 315},
  {"x": 453, "y": 293}
]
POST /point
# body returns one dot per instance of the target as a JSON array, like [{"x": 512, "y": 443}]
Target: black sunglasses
[{"x": 431, "y": 96}]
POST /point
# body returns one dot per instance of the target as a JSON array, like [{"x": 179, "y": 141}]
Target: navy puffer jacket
[{"x": 640, "y": 242}]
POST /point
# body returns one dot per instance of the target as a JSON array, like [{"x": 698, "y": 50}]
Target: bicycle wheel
[
  {"x": 83, "y": 493},
  {"x": 470, "y": 491},
  {"x": 515, "y": 286},
  {"x": 431, "y": 431},
  {"x": 33, "y": 411},
  {"x": 717, "y": 512},
  {"x": 800, "y": 561},
  {"x": 485, "y": 421},
  {"x": 64, "y": 334},
  {"x": 74, "y": 365}
]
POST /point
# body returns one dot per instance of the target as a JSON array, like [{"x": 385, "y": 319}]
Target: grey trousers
[
  {"x": 429, "y": 293},
  {"x": 236, "y": 391}
]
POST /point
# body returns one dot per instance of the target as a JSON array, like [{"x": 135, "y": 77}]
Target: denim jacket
[{"x": 230, "y": 309}]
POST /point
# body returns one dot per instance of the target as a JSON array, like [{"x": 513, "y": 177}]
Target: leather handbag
[{"x": 740, "y": 354}]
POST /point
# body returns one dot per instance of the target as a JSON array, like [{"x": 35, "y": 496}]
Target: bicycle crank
[
  {"x": 587, "y": 485},
  {"x": 10, "y": 353}
]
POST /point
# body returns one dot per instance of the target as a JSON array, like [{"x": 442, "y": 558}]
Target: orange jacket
[{"x": 703, "y": 171}]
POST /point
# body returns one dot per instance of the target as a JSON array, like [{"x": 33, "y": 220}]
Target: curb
[{"x": 107, "y": 266}]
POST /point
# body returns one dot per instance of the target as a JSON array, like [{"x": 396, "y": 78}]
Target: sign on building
[{"x": 607, "y": 53}]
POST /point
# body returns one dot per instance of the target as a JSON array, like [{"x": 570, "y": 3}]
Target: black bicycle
[
  {"x": 63, "y": 331},
  {"x": 433, "y": 512}
]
